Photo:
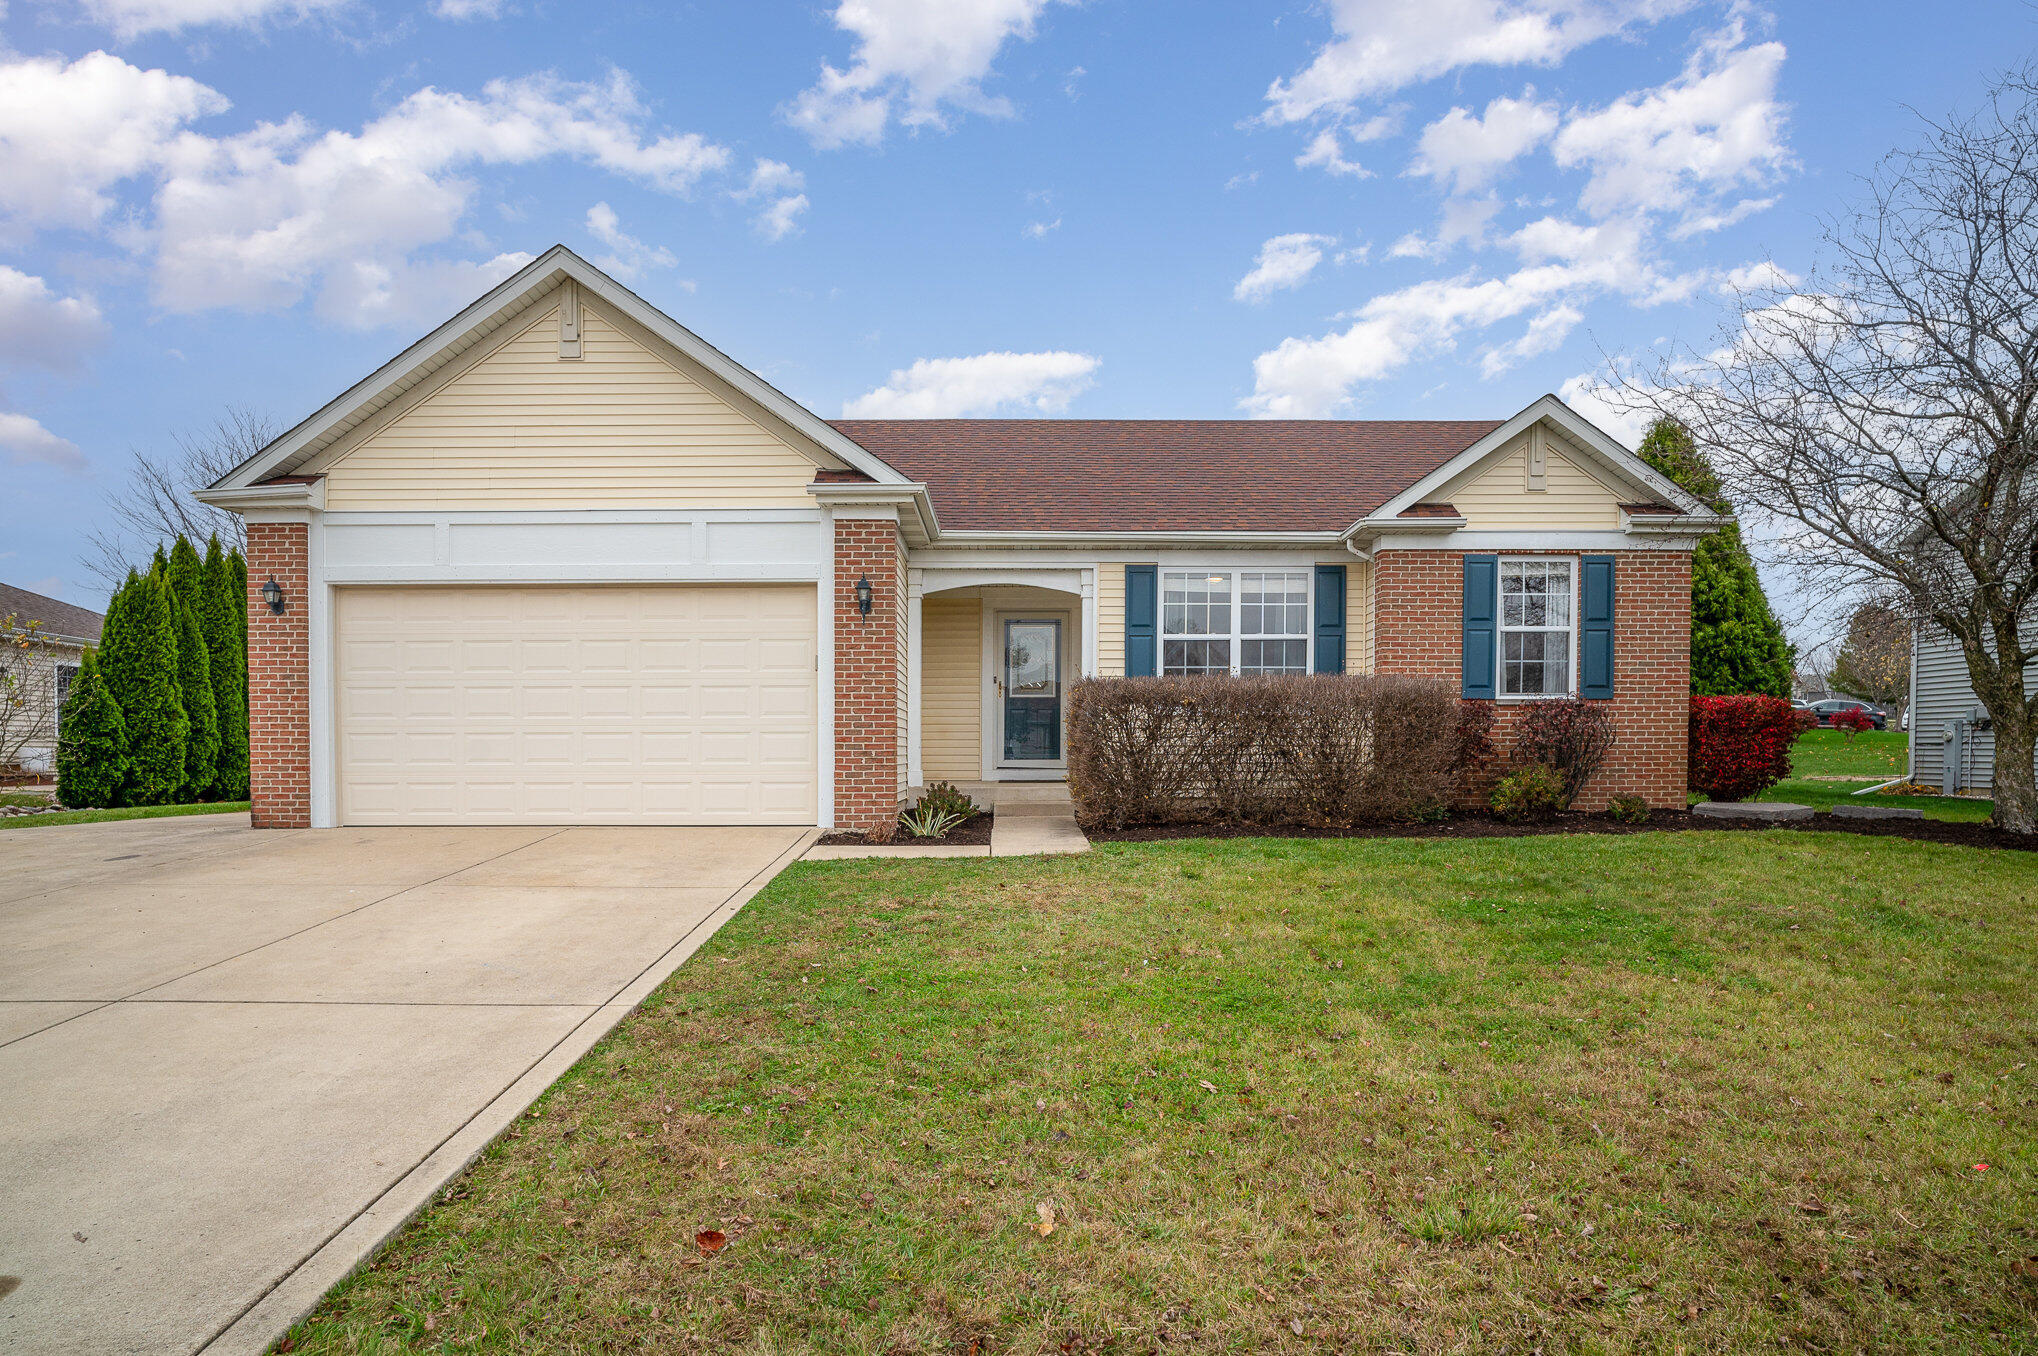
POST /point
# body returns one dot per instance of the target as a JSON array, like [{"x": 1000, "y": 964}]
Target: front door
[{"x": 1029, "y": 679}]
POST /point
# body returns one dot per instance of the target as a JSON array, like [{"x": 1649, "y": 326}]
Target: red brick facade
[
  {"x": 279, "y": 679},
  {"x": 1418, "y": 603},
  {"x": 870, "y": 674}
]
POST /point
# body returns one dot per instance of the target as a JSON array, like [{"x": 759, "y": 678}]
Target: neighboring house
[
  {"x": 1952, "y": 744},
  {"x": 42, "y": 642},
  {"x": 561, "y": 561}
]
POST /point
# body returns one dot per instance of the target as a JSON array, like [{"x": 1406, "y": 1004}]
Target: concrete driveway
[{"x": 231, "y": 1062}]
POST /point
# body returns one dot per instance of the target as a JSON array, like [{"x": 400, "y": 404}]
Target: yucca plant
[{"x": 928, "y": 821}]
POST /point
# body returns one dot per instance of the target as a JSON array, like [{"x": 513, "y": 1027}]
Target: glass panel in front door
[{"x": 1032, "y": 678}]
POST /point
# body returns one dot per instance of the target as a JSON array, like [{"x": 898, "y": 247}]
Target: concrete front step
[{"x": 1768, "y": 812}]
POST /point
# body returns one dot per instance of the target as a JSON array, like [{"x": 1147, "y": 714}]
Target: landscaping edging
[
  {"x": 1659, "y": 821},
  {"x": 972, "y": 832}
]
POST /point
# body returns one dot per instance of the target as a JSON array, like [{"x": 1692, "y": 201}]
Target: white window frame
[
  {"x": 1501, "y": 629},
  {"x": 1236, "y": 636}
]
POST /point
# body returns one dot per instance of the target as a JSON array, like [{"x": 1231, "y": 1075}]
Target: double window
[
  {"x": 1234, "y": 621},
  {"x": 1537, "y": 634}
]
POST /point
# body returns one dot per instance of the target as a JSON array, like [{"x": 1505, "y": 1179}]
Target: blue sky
[{"x": 1348, "y": 208}]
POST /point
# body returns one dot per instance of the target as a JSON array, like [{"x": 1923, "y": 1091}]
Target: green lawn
[
  {"x": 13, "y": 798},
  {"x": 223, "y": 807},
  {"x": 1872, "y": 756},
  {"x": 1866, "y": 760},
  {"x": 1665, "y": 1092}
]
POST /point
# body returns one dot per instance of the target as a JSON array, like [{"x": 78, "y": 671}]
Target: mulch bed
[
  {"x": 1486, "y": 826},
  {"x": 972, "y": 832}
]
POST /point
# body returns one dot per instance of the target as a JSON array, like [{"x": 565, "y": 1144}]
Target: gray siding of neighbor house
[{"x": 1940, "y": 695}]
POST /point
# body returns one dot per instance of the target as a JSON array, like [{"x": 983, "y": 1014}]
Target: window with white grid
[
  {"x": 1244, "y": 621},
  {"x": 1535, "y": 628}
]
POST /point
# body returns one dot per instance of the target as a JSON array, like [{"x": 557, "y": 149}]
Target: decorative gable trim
[
  {"x": 499, "y": 306},
  {"x": 1598, "y": 450}
]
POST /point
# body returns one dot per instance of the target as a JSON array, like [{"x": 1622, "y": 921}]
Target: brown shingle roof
[
  {"x": 58, "y": 619},
  {"x": 1163, "y": 475}
]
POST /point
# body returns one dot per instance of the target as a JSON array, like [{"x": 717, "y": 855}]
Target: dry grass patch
[{"x": 1690, "y": 1092}]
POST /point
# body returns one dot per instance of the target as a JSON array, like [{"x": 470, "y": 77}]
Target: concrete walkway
[
  {"x": 231, "y": 1063},
  {"x": 1034, "y": 818}
]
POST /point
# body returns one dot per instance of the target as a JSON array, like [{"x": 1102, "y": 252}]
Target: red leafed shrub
[
  {"x": 1853, "y": 722},
  {"x": 1740, "y": 745}
]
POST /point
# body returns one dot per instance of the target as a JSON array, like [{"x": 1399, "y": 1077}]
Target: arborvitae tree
[
  {"x": 91, "y": 742},
  {"x": 1737, "y": 645},
  {"x": 185, "y": 573},
  {"x": 220, "y": 620},
  {"x": 194, "y": 686},
  {"x": 138, "y": 656}
]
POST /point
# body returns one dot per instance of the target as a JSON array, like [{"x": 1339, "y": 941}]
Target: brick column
[
  {"x": 870, "y": 666},
  {"x": 1418, "y": 630},
  {"x": 279, "y": 679}
]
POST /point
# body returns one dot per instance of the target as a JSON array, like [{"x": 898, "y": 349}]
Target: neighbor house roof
[
  {"x": 57, "y": 618},
  {"x": 1162, "y": 475}
]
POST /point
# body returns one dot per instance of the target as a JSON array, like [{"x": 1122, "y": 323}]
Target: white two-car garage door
[{"x": 669, "y": 704}]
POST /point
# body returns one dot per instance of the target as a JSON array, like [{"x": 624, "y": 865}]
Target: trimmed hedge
[
  {"x": 1323, "y": 749},
  {"x": 1740, "y": 746}
]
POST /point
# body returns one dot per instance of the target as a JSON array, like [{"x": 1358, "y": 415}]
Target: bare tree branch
[
  {"x": 154, "y": 505},
  {"x": 1887, "y": 409}
]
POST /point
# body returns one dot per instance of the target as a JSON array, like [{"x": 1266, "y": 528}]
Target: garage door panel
[{"x": 577, "y": 705}]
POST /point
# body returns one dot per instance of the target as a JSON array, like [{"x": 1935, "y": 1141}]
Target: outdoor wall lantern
[
  {"x": 863, "y": 595},
  {"x": 272, "y": 594}
]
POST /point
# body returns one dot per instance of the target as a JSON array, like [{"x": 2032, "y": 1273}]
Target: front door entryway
[{"x": 1029, "y": 682}]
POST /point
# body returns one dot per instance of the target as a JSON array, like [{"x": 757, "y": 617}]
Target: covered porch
[{"x": 991, "y": 652}]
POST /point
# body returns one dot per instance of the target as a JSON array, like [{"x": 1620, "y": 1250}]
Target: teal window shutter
[
  {"x": 1595, "y": 627},
  {"x": 1142, "y": 606},
  {"x": 1330, "y": 619},
  {"x": 1482, "y": 607}
]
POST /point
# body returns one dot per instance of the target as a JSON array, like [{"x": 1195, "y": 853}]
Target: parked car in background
[{"x": 1833, "y": 706}]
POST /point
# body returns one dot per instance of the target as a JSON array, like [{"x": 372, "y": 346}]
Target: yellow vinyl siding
[
  {"x": 1359, "y": 617},
  {"x": 1110, "y": 621},
  {"x": 951, "y": 689},
  {"x": 620, "y": 427},
  {"x": 1496, "y": 498}
]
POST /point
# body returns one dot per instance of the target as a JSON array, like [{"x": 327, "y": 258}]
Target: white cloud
[
  {"x": 131, "y": 18},
  {"x": 1035, "y": 230},
  {"x": 1324, "y": 152},
  {"x": 629, "y": 257},
  {"x": 368, "y": 292},
  {"x": 987, "y": 384},
  {"x": 778, "y": 185},
  {"x": 1597, "y": 401},
  {"x": 459, "y": 11},
  {"x": 38, "y": 328},
  {"x": 257, "y": 220},
  {"x": 71, "y": 131},
  {"x": 1464, "y": 152},
  {"x": 1545, "y": 333},
  {"x": 1284, "y": 261},
  {"x": 26, "y": 442},
  {"x": 782, "y": 218},
  {"x": 1314, "y": 377},
  {"x": 1379, "y": 46},
  {"x": 916, "y": 61},
  {"x": 1674, "y": 150},
  {"x": 1761, "y": 276}
]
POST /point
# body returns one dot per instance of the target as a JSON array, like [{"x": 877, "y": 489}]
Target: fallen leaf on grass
[
  {"x": 1295, "y": 1326},
  {"x": 1045, "y": 1225},
  {"x": 711, "y": 1241},
  {"x": 2026, "y": 1267},
  {"x": 1206, "y": 1085}
]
